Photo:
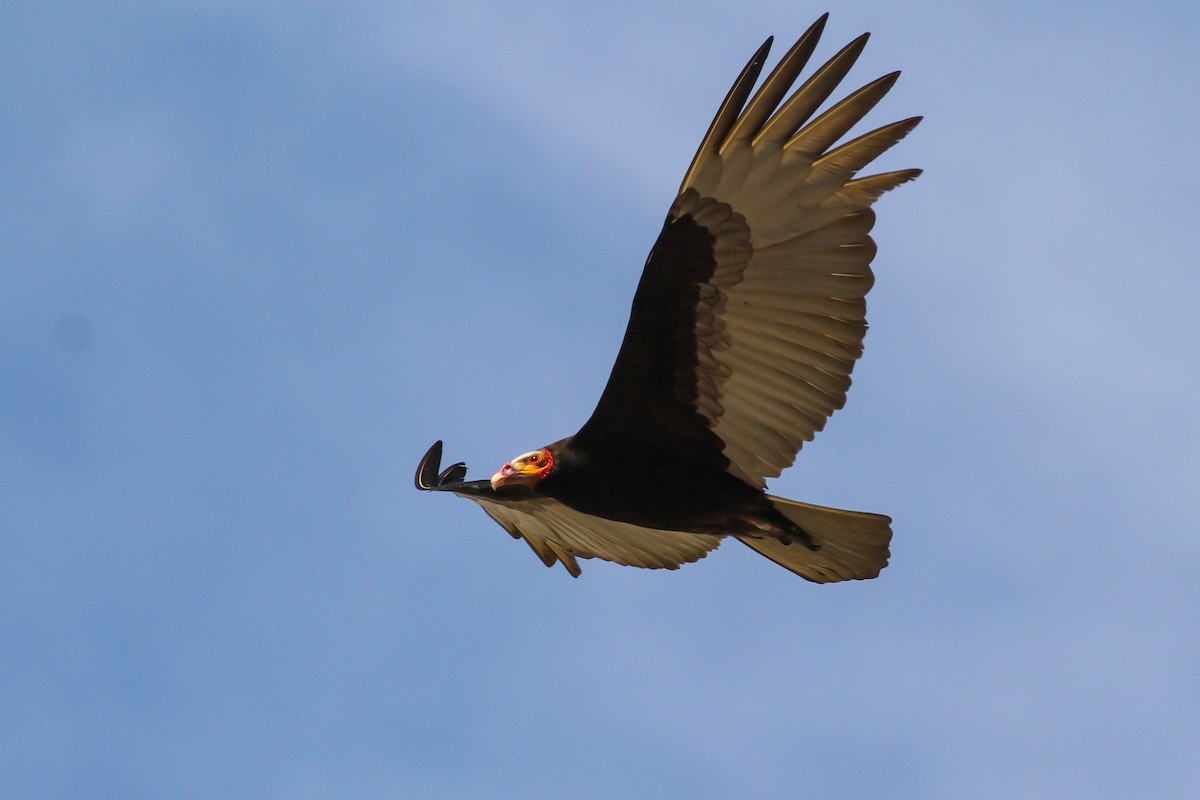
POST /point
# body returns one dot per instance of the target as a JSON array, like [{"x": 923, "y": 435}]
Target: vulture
[{"x": 746, "y": 323}]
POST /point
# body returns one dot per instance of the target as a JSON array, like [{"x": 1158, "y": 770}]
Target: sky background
[{"x": 256, "y": 258}]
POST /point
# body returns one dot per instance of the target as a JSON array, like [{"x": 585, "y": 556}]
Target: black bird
[{"x": 747, "y": 321}]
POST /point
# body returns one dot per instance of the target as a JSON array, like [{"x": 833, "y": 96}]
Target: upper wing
[
  {"x": 557, "y": 532},
  {"x": 751, "y": 308}
]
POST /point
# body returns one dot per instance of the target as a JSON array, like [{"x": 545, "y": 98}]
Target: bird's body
[
  {"x": 745, "y": 326},
  {"x": 664, "y": 491}
]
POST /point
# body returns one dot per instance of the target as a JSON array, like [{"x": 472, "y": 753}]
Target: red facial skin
[{"x": 525, "y": 470}]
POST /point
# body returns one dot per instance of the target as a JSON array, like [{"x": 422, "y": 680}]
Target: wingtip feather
[{"x": 427, "y": 470}]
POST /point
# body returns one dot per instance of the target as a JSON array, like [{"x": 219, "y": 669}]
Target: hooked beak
[{"x": 525, "y": 475}]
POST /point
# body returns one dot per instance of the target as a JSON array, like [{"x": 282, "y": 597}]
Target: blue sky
[{"x": 256, "y": 258}]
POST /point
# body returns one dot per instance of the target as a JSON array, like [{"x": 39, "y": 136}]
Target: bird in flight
[{"x": 746, "y": 323}]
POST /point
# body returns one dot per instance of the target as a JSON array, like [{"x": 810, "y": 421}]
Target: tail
[{"x": 854, "y": 544}]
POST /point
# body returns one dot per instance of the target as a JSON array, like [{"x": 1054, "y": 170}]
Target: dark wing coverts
[{"x": 751, "y": 309}]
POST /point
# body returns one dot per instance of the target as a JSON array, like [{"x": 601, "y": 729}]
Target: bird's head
[{"x": 525, "y": 470}]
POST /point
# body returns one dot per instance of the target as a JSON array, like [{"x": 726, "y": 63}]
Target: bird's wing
[
  {"x": 557, "y": 532},
  {"x": 751, "y": 308}
]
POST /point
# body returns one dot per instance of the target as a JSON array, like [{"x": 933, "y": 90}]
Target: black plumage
[{"x": 744, "y": 329}]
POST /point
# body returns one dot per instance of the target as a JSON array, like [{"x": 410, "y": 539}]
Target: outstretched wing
[
  {"x": 751, "y": 308},
  {"x": 557, "y": 532}
]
